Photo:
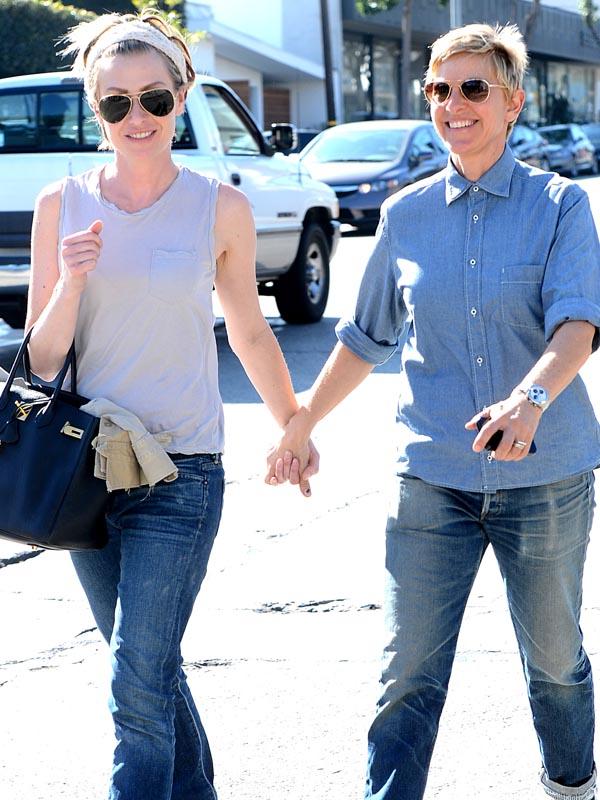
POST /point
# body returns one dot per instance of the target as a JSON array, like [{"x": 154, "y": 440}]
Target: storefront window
[
  {"x": 357, "y": 80},
  {"x": 534, "y": 100},
  {"x": 385, "y": 79}
]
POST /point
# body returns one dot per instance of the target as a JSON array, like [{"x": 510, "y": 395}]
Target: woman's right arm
[{"x": 54, "y": 293}]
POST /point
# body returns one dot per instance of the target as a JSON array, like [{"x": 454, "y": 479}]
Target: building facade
[
  {"x": 271, "y": 53},
  {"x": 562, "y": 84}
]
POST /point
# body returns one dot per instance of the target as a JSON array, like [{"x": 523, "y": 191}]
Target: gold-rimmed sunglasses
[
  {"x": 475, "y": 90},
  {"x": 115, "y": 107}
]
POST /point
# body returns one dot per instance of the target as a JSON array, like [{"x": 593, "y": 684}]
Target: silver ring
[{"x": 521, "y": 445}]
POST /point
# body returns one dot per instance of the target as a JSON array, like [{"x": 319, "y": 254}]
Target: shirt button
[
  {"x": 473, "y": 312},
  {"x": 472, "y": 262},
  {"x": 475, "y": 217},
  {"x": 476, "y": 188},
  {"x": 479, "y": 360}
]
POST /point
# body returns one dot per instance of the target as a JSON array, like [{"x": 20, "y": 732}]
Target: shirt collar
[{"x": 496, "y": 180}]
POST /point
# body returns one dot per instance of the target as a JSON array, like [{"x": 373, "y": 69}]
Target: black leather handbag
[{"x": 49, "y": 496}]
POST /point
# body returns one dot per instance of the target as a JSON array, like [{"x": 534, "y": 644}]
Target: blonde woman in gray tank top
[{"x": 124, "y": 259}]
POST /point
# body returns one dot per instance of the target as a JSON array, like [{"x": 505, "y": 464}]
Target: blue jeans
[
  {"x": 435, "y": 540},
  {"x": 141, "y": 588}
]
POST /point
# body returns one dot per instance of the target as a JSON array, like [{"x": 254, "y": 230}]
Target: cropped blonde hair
[{"x": 503, "y": 43}]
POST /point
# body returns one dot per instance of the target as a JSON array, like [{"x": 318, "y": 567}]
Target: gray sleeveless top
[{"x": 144, "y": 336}]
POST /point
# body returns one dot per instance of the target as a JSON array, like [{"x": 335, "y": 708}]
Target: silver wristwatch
[{"x": 537, "y": 396}]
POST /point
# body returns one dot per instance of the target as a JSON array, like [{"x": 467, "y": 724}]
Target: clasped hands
[{"x": 294, "y": 457}]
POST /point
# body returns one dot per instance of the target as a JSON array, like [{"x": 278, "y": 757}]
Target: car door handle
[{"x": 236, "y": 178}]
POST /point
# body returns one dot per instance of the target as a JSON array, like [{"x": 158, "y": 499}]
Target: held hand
[
  {"x": 294, "y": 458},
  {"x": 518, "y": 420},
  {"x": 287, "y": 468},
  {"x": 80, "y": 252}
]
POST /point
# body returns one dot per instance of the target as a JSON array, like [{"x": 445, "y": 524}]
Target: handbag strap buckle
[{"x": 72, "y": 431}]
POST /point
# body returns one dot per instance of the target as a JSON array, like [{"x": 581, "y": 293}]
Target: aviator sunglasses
[
  {"x": 115, "y": 107},
  {"x": 475, "y": 90}
]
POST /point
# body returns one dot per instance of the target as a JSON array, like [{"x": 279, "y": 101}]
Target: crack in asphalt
[
  {"x": 19, "y": 558},
  {"x": 312, "y": 606},
  {"x": 42, "y": 660}
]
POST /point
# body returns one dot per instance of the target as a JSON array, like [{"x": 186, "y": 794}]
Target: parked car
[
  {"x": 529, "y": 146},
  {"x": 366, "y": 162},
  {"x": 571, "y": 152},
  {"x": 47, "y": 131},
  {"x": 592, "y": 131}
]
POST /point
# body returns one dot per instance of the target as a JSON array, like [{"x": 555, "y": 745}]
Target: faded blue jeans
[
  {"x": 435, "y": 540},
  {"x": 141, "y": 588}
]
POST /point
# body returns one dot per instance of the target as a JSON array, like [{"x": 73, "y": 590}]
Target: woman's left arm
[
  {"x": 250, "y": 337},
  {"x": 567, "y": 352}
]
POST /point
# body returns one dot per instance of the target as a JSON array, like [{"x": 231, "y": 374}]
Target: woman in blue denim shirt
[
  {"x": 124, "y": 259},
  {"x": 487, "y": 276}
]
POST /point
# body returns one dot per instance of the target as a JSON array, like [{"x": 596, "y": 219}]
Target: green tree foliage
[
  {"x": 30, "y": 33},
  {"x": 31, "y": 29},
  {"x": 129, "y": 6},
  {"x": 375, "y": 6},
  {"x": 589, "y": 12},
  {"x": 105, "y": 6}
]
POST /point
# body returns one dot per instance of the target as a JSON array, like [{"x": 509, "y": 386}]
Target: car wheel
[
  {"x": 594, "y": 167},
  {"x": 301, "y": 294},
  {"x": 573, "y": 169}
]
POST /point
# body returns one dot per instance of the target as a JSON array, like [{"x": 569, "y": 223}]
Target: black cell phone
[{"x": 494, "y": 440}]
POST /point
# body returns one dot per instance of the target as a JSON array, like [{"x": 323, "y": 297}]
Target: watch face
[{"x": 538, "y": 395}]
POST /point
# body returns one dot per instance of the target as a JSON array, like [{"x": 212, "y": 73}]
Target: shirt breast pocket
[
  {"x": 521, "y": 296},
  {"x": 174, "y": 274}
]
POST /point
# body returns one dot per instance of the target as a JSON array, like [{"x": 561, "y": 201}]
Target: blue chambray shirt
[{"x": 470, "y": 281}]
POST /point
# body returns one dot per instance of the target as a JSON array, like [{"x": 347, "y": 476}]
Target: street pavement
[{"x": 283, "y": 649}]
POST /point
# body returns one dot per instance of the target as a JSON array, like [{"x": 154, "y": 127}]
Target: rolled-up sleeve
[
  {"x": 571, "y": 286},
  {"x": 373, "y": 332}
]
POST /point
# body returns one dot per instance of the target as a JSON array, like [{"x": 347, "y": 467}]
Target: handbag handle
[{"x": 22, "y": 356}]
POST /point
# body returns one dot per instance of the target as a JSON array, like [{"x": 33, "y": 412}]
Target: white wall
[
  {"x": 302, "y": 29},
  {"x": 308, "y": 108},
  {"x": 203, "y": 56},
  {"x": 231, "y": 71},
  {"x": 261, "y": 19}
]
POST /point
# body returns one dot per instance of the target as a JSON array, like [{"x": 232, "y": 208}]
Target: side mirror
[
  {"x": 415, "y": 159},
  {"x": 283, "y": 136}
]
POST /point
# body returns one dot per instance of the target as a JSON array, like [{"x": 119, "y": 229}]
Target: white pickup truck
[{"x": 47, "y": 131}]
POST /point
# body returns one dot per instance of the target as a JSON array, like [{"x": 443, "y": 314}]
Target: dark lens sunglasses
[
  {"x": 115, "y": 107},
  {"x": 475, "y": 90}
]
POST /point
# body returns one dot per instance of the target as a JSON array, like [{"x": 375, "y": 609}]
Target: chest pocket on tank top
[{"x": 174, "y": 274}]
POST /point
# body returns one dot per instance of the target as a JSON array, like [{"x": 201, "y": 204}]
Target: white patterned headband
[{"x": 139, "y": 32}]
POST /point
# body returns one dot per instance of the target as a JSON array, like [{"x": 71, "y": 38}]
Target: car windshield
[
  {"x": 385, "y": 144},
  {"x": 556, "y": 136}
]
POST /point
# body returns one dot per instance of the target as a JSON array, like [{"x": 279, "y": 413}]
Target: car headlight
[{"x": 382, "y": 185}]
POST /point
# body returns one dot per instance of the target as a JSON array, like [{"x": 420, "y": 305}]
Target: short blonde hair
[{"x": 503, "y": 43}]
